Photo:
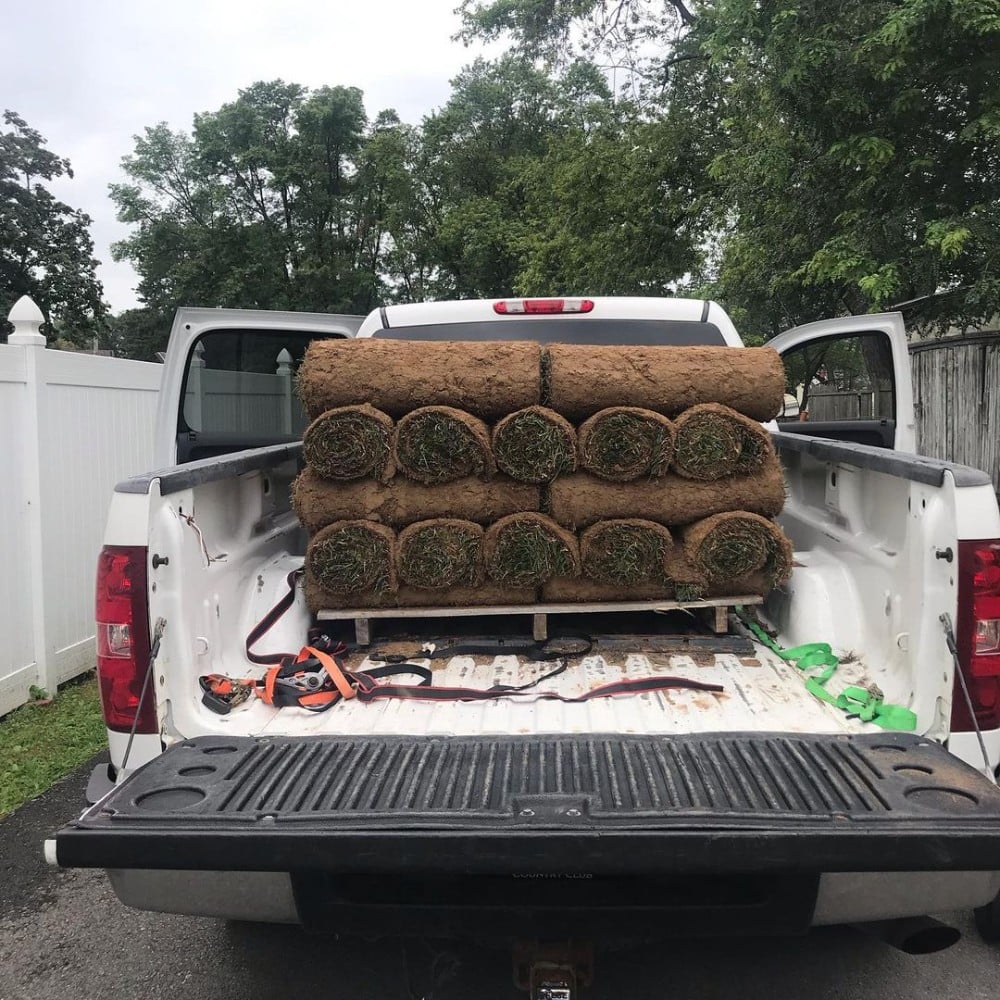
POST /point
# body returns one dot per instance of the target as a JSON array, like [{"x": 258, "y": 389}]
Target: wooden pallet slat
[{"x": 718, "y": 608}]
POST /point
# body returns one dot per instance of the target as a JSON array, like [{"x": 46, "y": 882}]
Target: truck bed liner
[
  {"x": 761, "y": 693},
  {"x": 714, "y": 802}
]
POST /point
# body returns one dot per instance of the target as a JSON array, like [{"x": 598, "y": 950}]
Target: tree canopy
[
  {"x": 45, "y": 246},
  {"x": 850, "y": 146},
  {"x": 794, "y": 159}
]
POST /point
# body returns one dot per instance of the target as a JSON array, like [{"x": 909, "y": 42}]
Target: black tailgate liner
[{"x": 608, "y": 803}]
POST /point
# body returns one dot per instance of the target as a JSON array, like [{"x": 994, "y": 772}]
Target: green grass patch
[
  {"x": 43, "y": 742},
  {"x": 708, "y": 446},
  {"x": 624, "y": 443},
  {"x": 525, "y": 552},
  {"x": 349, "y": 443},
  {"x": 439, "y": 444},
  {"x": 352, "y": 557},
  {"x": 625, "y": 553},
  {"x": 441, "y": 554},
  {"x": 535, "y": 445}
]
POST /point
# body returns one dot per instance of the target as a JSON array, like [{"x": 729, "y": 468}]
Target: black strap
[
  {"x": 269, "y": 621},
  {"x": 368, "y": 691}
]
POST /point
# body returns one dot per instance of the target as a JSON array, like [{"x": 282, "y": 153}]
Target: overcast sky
[{"x": 90, "y": 74}]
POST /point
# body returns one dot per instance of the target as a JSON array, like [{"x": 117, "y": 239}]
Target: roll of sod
[
  {"x": 581, "y": 499},
  {"x": 443, "y": 552},
  {"x": 486, "y": 378},
  {"x": 713, "y": 441},
  {"x": 569, "y": 590},
  {"x": 737, "y": 544},
  {"x": 351, "y": 442},
  {"x": 626, "y": 553},
  {"x": 581, "y": 589},
  {"x": 534, "y": 445},
  {"x": 583, "y": 379},
  {"x": 486, "y": 594},
  {"x": 525, "y": 550},
  {"x": 623, "y": 443},
  {"x": 353, "y": 557},
  {"x": 318, "y": 502},
  {"x": 439, "y": 444}
]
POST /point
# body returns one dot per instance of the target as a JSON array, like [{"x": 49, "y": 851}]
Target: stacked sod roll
[{"x": 510, "y": 473}]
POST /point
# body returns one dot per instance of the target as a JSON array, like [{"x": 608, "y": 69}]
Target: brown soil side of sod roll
[
  {"x": 534, "y": 445},
  {"x": 580, "y": 500},
  {"x": 485, "y": 595},
  {"x": 525, "y": 550},
  {"x": 714, "y": 441},
  {"x": 626, "y": 552},
  {"x": 736, "y": 544},
  {"x": 352, "y": 557},
  {"x": 439, "y": 444},
  {"x": 584, "y": 379},
  {"x": 571, "y": 590},
  {"x": 351, "y": 442},
  {"x": 486, "y": 378},
  {"x": 439, "y": 553},
  {"x": 623, "y": 443},
  {"x": 318, "y": 502}
]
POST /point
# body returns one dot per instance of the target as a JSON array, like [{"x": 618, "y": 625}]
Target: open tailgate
[{"x": 588, "y": 805}]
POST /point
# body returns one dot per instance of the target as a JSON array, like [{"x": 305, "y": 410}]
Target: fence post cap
[
  {"x": 27, "y": 320},
  {"x": 284, "y": 361}
]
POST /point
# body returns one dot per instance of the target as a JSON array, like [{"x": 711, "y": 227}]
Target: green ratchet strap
[{"x": 818, "y": 660}]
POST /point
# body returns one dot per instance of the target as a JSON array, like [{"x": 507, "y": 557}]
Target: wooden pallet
[{"x": 363, "y": 617}]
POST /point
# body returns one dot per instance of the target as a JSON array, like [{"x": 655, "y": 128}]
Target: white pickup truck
[{"x": 761, "y": 808}]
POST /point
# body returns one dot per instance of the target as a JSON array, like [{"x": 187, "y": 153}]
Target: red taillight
[
  {"x": 977, "y": 635},
  {"x": 514, "y": 307},
  {"x": 123, "y": 639}
]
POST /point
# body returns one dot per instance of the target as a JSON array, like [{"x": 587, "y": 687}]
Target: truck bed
[{"x": 762, "y": 693}]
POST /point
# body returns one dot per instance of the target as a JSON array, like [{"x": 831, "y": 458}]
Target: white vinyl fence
[
  {"x": 223, "y": 401},
  {"x": 72, "y": 425}
]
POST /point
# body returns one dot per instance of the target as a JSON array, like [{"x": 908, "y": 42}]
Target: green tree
[
  {"x": 259, "y": 207},
  {"x": 850, "y": 149},
  {"x": 46, "y": 250},
  {"x": 139, "y": 334},
  {"x": 862, "y": 162},
  {"x": 474, "y": 154},
  {"x": 541, "y": 182}
]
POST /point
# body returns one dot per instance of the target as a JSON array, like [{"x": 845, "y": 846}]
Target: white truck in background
[{"x": 763, "y": 809}]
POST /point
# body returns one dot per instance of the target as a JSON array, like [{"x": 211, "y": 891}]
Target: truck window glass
[
  {"x": 242, "y": 383},
  {"x": 847, "y": 378},
  {"x": 557, "y": 329}
]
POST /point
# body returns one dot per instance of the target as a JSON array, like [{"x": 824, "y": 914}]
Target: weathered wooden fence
[
  {"x": 956, "y": 389},
  {"x": 848, "y": 404},
  {"x": 956, "y": 392}
]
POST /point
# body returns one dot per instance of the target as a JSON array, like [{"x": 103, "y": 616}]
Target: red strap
[{"x": 267, "y": 693}]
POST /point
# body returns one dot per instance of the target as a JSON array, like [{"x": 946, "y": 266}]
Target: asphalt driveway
[{"x": 65, "y": 935}]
